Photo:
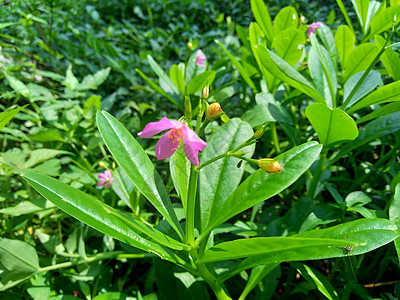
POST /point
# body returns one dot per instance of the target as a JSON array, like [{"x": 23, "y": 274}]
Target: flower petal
[
  {"x": 166, "y": 146},
  {"x": 192, "y": 144},
  {"x": 200, "y": 58},
  {"x": 108, "y": 174},
  {"x": 154, "y": 128}
]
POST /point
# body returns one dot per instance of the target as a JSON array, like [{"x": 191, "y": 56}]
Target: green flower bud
[{"x": 206, "y": 92}]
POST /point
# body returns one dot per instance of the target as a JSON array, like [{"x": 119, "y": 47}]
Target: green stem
[
  {"x": 317, "y": 175},
  {"x": 107, "y": 255},
  {"x": 191, "y": 204},
  {"x": 365, "y": 74},
  {"x": 275, "y": 138},
  {"x": 203, "y": 127}
]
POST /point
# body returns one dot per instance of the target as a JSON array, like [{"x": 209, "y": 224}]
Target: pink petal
[
  {"x": 107, "y": 173},
  {"x": 154, "y": 128},
  {"x": 166, "y": 146},
  {"x": 101, "y": 182},
  {"x": 102, "y": 176},
  {"x": 200, "y": 58},
  {"x": 192, "y": 144},
  {"x": 312, "y": 27},
  {"x": 107, "y": 185}
]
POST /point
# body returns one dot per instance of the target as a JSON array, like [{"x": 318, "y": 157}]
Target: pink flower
[
  {"x": 312, "y": 27},
  {"x": 172, "y": 139},
  {"x": 200, "y": 58},
  {"x": 105, "y": 179}
]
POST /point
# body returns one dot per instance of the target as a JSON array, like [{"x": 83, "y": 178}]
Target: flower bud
[
  {"x": 190, "y": 45},
  {"x": 214, "y": 111},
  {"x": 269, "y": 165},
  {"x": 259, "y": 133},
  {"x": 206, "y": 91},
  {"x": 302, "y": 19},
  {"x": 102, "y": 165}
]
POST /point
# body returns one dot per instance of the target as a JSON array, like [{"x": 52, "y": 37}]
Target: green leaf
[
  {"x": 345, "y": 41},
  {"x": 6, "y": 116},
  {"x": 387, "y": 93},
  {"x": 394, "y": 214},
  {"x": 331, "y": 125},
  {"x": 262, "y": 17},
  {"x": 70, "y": 80},
  {"x": 177, "y": 78},
  {"x": 359, "y": 59},
  {"x": 383, "y": 111},
  {"x": 370, "y": 83},
  {"x": 328, "y": 70},
  {"x": 262, "y": 185},
  {"x": 239, "y": 67},
  {"x": 179, "y": 167},
  {"x": 92, "y": 82},
  {"x": 287, "y": 45},
  {"x": 40, "y": 155},
  {"x": 19, "y": 259},
  {"x": 317, "y": 279},
  {"x": 198, "y": 83},
  {"x": 383, "y": 21},
  {"x": 361, "y": 7},
  {"x": 93, "y": 100},
  {"x": 281, "y": 69},
  {"x": 131, "y": 157},
  {"x": 17, "y": 85},
  {"x": 100, "y": 216},
  {"x": 286, "y": 18},
  {"x": 166, "y": 83},
  {"x": 158, "y": 89},
  {"x": 219, "y": 179},
  {"x": 373, "y": 130},
  {"x": 47, "y": 135},
  {"x": 389, "y": 58},
  {"x": 257, "y": 274}
]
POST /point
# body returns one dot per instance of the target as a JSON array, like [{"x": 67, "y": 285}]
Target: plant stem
[
  {"x": 191, "y": 204},
  {"x": 275, "y": 138},
  {"x": 317, "y": 175}
]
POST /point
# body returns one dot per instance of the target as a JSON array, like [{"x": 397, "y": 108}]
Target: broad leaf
[
  {"x": 383, "y": 21},
  {"x": 287, "y": 45},
  {"x": 219, "y": 179},
  {"x": 131, "y": 157},
  {"x": 70, "y": 80},
  {"x": 17, "y": 85},
  {"x": 92, "y": 82},
  {"x": 177, "y": 78},
  {"x": 179, "y": 167},
  {"x": 286, "y": 18},
  {"x": 394, "y": 214},
  {"x": 262, "y": 185},
  {"x": 199, "y": 82},
  {"x": 389, "y": 58},
  {"x": 383, "y": 111},
  {"x": 345, "y": 41},
  {"x": 359, "y": 59},
  {"x": 331, "y": 125},
  {"x": 100, "y": 216}
]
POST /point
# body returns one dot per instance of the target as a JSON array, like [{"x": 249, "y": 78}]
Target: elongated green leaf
[
  {"x": 17, "y": 85},
  {"x": 179, "y": 167},
  {"x": 389, "y": 58},
  {"x": 375, "y": 129},
  {"x": 157, "y": 88},
  {"x": 318, "y": 76},
  {"x": 257, "y": 274},
  {"x": 383, "y": 111},
  {"x": 359, "y": 59},
  {"x": 239, "y": 67},
  {"x": 328, "y": 69},
  {"x": 316, "y": 278},
  {"x": 287, "y": 17},
  {"x": 219, "y": 179},
  {"x": 100, "y": 216},
  {"x": 345, "y": 14},
  {"x": 262, "y": 17},
  {"x": 165, "y": 81},
  {"x": 131, "y": 157},
  {"x": 6, "y": 116},
  {"x": 361, "y": 7},
  {"x": 394, "y": 214},
  {"x": 345, "y": 41},
  {"x": 281, "y": 69},
  {"x": 287, "y": 45},
  {"x": 362, "y": 235},
  {"x": 369, "y": 84},
  {"x": 387, "y": 93},
  {"x": 177, "y": 78},
  {"x": 331, "y": 125},
  {"x": 383, "y": 21},
  {"x": 198, "y": 83},
  {"x": 262, "y": 185}
]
